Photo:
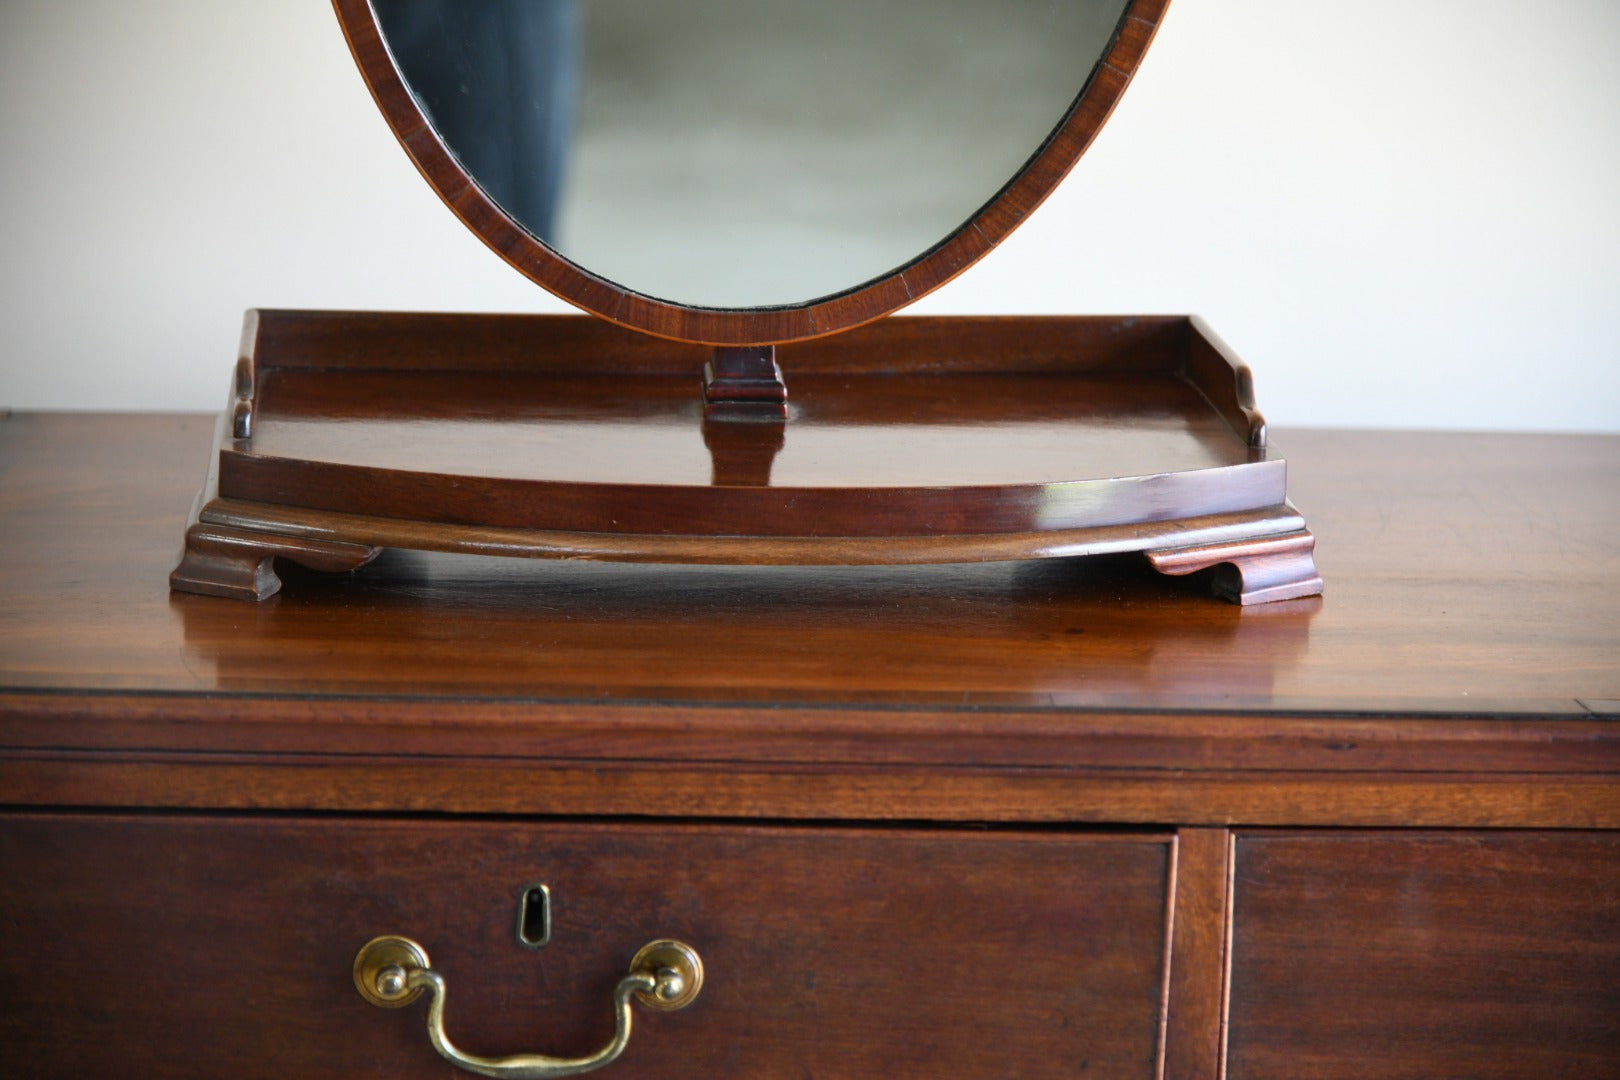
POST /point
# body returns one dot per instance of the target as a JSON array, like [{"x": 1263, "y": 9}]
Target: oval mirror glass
[
  {"x": 744, "y": 153},
  {"x": 655, "y": 161}
]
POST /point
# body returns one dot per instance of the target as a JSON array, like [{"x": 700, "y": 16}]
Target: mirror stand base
[
  {"x": 913, "y": 441},
  {"x": 1257, "y": 557}
]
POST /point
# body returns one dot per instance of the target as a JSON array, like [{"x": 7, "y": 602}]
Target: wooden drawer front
[
  {"x": 223, "y": 945},
  {"x": 1425, "y": 955}
]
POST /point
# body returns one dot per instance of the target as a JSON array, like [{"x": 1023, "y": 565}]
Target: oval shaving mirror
[
  {"x": 727, "y": 180},
  {"x": 741, "y": 172}
]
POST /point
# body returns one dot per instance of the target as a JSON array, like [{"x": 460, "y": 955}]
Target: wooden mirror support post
[
  {"x": 661, "y": 432},
  {"x": 744, "y": 413},
  {"x": 744, "y": 383}
]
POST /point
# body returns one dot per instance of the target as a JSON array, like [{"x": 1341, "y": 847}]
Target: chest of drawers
[{"x": 1046, "y": 819}]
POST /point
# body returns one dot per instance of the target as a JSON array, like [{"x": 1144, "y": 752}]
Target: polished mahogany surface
[
  {"x": 1075, "y": 452},
  {"x": 907, "y": 432},
  {"x": 1196, "y": 825},
  {"x": 1425, "y": 954},
  {"x": 221, "y": 945},
  {"x": 1473, "y": 575},
  {"x": 1471, "y": 634}
]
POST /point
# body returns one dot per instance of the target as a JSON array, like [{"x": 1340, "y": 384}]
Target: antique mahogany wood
[
  {"x": 792, "y": 951},
  {"x": 941, "y": 698},
  {"x": 753, "y": 326},
  {"x": 1053, "y": 690},
  {"x": 1420, "y": 955},
  {"x": 1194, "y": 1002},
  {"x": 744, "y": 382},
  {"x": 914, "y": 440},
  {"x": 931, "y": 441}
]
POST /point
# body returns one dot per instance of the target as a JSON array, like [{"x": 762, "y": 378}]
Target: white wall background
[{"x": 1400, "y": 213}]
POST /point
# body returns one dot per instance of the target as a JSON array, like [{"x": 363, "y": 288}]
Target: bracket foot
[
  {"x": 1258, "y": 571},
  {"x": 239, "y": 563}
]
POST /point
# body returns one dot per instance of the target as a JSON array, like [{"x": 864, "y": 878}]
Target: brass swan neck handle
[{"x": 393, "y": 971}]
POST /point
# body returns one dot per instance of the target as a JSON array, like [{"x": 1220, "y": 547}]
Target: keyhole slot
[{"x": 534, "y": 916}]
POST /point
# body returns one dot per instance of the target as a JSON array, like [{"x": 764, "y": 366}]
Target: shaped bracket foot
[
  {"x": 1258, "y": 571},
  {"x": 239, "y": 563}
]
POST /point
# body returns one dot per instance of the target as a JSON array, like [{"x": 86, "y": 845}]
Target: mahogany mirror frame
[
  {"x": 749, "y": 326},
  {"x": 1181, "y": 473}
]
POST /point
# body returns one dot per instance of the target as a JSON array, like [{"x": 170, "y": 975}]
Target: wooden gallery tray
[{"x": 910, "y": 440}]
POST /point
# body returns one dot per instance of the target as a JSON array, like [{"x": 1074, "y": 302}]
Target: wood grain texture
[
  {"x": 384, "y": 783},
  {"x": 1416, "y": 693},
  {"x": 1485, "y": 955},
  {"x": 426, "y": 686},
  {"x": 751, "y": 459},
  {"x": 526, "y": 344},
  {"x": 221, "y": 561},
  {"x": 1195, "y": 1006},
  {"x": 219, "y": 945},
  {"x": 862, "y": 303},
  {"x": 1256, "y": 570},
  {"x": 941, "y": 427}
]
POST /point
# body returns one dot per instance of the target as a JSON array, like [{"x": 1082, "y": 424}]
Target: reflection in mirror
[{"x": 745, "y": 153}]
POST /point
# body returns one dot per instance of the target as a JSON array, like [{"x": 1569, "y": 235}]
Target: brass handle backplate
[{"x": 393, "y": 971}]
